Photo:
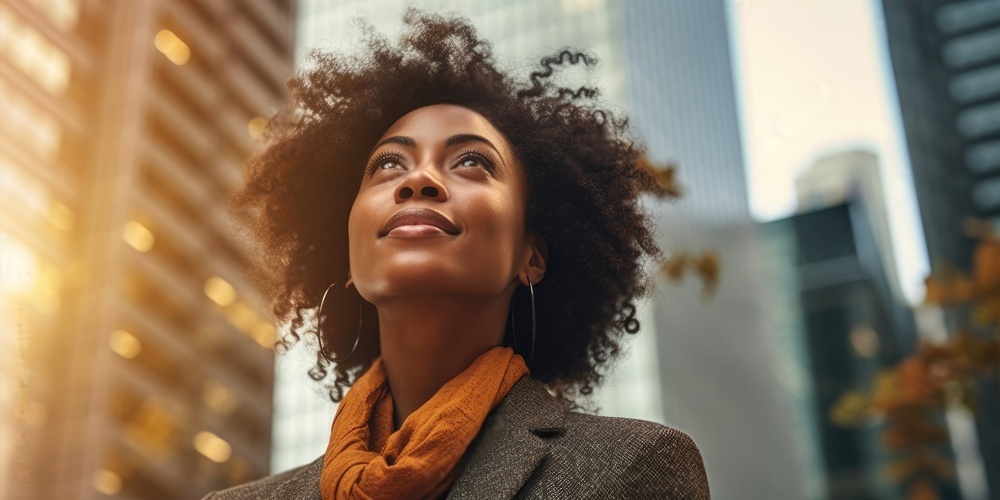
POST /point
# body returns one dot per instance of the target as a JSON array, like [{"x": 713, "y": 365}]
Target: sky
[{"x": 814, "y": 77}]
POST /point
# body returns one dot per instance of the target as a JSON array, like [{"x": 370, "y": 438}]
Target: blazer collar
[
  {"x": 509, "y": 447},
  {"x": 511, "y": 444}
]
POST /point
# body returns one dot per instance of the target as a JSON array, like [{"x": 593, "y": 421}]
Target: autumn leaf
[
  {"x": 986, "y": 265},
  {"x": 850, "y": 409},
  {"x": 673, "y": 269},
  {"x": 913, "y": 383},
  {"x": 921, "y": 490},
  {"x": 911, "y": 396},
  {"x": 664, "y": 175}
]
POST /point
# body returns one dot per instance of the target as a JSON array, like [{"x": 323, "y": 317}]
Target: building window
[
  {"x": 27, "y": 125},
  {"x": 32, "y": 53},
  {"x": 986, "y": 194},
  {"x": 961, "y": 16},
  {"x": 62, "y": 13},
  {"x": 972, "y": 49},
  {"x": 980, "y": 120},
  {"x": 976, "y": 84},
  {"x": 984, "y": 157}
]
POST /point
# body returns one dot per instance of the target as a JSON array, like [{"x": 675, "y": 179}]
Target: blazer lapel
[{"x": 511, "y": 444}]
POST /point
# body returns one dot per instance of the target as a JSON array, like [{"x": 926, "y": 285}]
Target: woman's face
[{"x": 447, "y": 184}]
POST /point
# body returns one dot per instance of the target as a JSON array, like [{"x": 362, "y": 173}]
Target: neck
[{"x": 428, "y": 341}]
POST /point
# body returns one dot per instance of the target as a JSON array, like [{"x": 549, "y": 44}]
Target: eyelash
[{"x": 464, "y": 155}]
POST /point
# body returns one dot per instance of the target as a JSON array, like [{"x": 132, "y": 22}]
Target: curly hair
[{"x": 584, "y": 189}]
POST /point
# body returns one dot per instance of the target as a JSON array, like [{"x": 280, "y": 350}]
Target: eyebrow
[{"x": 453, "y": 140}]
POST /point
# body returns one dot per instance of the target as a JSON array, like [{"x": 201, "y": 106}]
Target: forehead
[{"x": 439, "y": 121}]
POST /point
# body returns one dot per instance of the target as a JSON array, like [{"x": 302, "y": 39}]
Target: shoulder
[
  {"x": 635, "y": 458},
  {"x": 601, "y": 457},
  {"x": 298, "y": 483}
]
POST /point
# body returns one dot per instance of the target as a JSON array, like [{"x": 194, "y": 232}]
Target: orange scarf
[{"x": 366, "y": 459}]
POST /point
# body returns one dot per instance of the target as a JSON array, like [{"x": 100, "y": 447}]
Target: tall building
[
  {"x": 946, "y": 59},
  {"x": 731, "y": 377},
  {"x": 522, "y": 31},
  {"x": 847, "y": 176},
  {"x": 142, "y": 365},
  {"x": 832, "y": 268}
]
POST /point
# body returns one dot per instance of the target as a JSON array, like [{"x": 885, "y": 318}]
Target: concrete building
[
  {"x": 143, "y": 366},
  {"x": 731, "y": 376}
]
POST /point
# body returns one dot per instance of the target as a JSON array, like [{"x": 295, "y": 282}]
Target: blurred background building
[
  {"x": 684, "y": 105},
  {"x": 846, "y": 176},
  {"x": 946, "y": 59},
  {"x": 829, "y": 263},
  {"x": 137, "y": 361}
]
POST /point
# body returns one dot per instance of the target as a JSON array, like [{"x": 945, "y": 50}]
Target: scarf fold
[{"x": 367, "y": 459}]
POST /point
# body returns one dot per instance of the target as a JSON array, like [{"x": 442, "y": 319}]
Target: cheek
[
  {"x": 502, "y": 222},
  {"x": 359, "y": 223}
]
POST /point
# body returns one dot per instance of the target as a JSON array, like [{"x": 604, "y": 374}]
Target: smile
[
  {"x": 419, "y": 222},
  {"x": 416, "y": 230}
]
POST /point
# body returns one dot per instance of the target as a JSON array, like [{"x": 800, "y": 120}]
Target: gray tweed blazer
[{"x": 530, "y": 446}]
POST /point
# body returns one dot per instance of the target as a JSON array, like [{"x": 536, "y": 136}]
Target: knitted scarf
[{"x": 367, "y": 459}]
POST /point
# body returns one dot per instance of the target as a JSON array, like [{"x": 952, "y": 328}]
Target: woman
[{"x": 471, "y": 247}]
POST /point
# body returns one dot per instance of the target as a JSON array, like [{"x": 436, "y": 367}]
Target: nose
[{"x": 421, "y": 181}]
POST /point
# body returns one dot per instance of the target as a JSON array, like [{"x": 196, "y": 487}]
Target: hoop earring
[
  {"x": 319, "y": 324},
  {"x": 513, "y": 330}
]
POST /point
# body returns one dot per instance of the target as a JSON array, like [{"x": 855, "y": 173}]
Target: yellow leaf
[{"x": 850, "y": 410}]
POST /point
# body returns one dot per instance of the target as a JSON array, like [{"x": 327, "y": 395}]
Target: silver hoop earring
[
  {"x": 319, "y": 319},
  {"x": 513, "y": 330},
  {"x": 532, "y": 290}
]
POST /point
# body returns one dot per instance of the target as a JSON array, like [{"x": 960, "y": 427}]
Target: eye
[
  {"x": 474, "y": 158},
  {"x": 383, "y": 161},
  {"x": 382, "y": 165}
]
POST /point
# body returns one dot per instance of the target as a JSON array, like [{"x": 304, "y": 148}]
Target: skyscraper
[
  {"x": 730, "y": 376},
  {"x": 831, "y": 266},
  {"x": 143, "y": 363},
  {"x": 946, "y": 59},
  {"x": 847, "y": 176}
]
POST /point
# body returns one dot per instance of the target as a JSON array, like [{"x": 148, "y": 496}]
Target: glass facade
[{"x": 945, "y": 56}]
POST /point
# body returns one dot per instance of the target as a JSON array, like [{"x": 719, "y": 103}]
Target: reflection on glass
[
  {"x": 32, "y": 53},
  {"x": 124, "y": 344},
  {"x": 138, "y": 236},
  {"x": 220, "y": 291},
  {"x": 26, "y": 125},
  {"x": 213, "y": 447},
  {"x": 107, "y": 482},
  {"x": 173, "y": 47}
]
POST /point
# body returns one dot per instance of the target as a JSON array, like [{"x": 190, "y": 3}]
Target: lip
[{"x": 419, "y": 218}]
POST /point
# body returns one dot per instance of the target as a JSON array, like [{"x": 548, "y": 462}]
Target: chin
[{"x": 430, "y": 280}]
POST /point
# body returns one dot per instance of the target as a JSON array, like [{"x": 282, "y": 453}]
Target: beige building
[
  {"x": 135, "y": 356},
  {"x": 851, "y": 175}
]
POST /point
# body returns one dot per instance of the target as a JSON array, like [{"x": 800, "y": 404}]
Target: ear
[{"x": 533, "y": 266}]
